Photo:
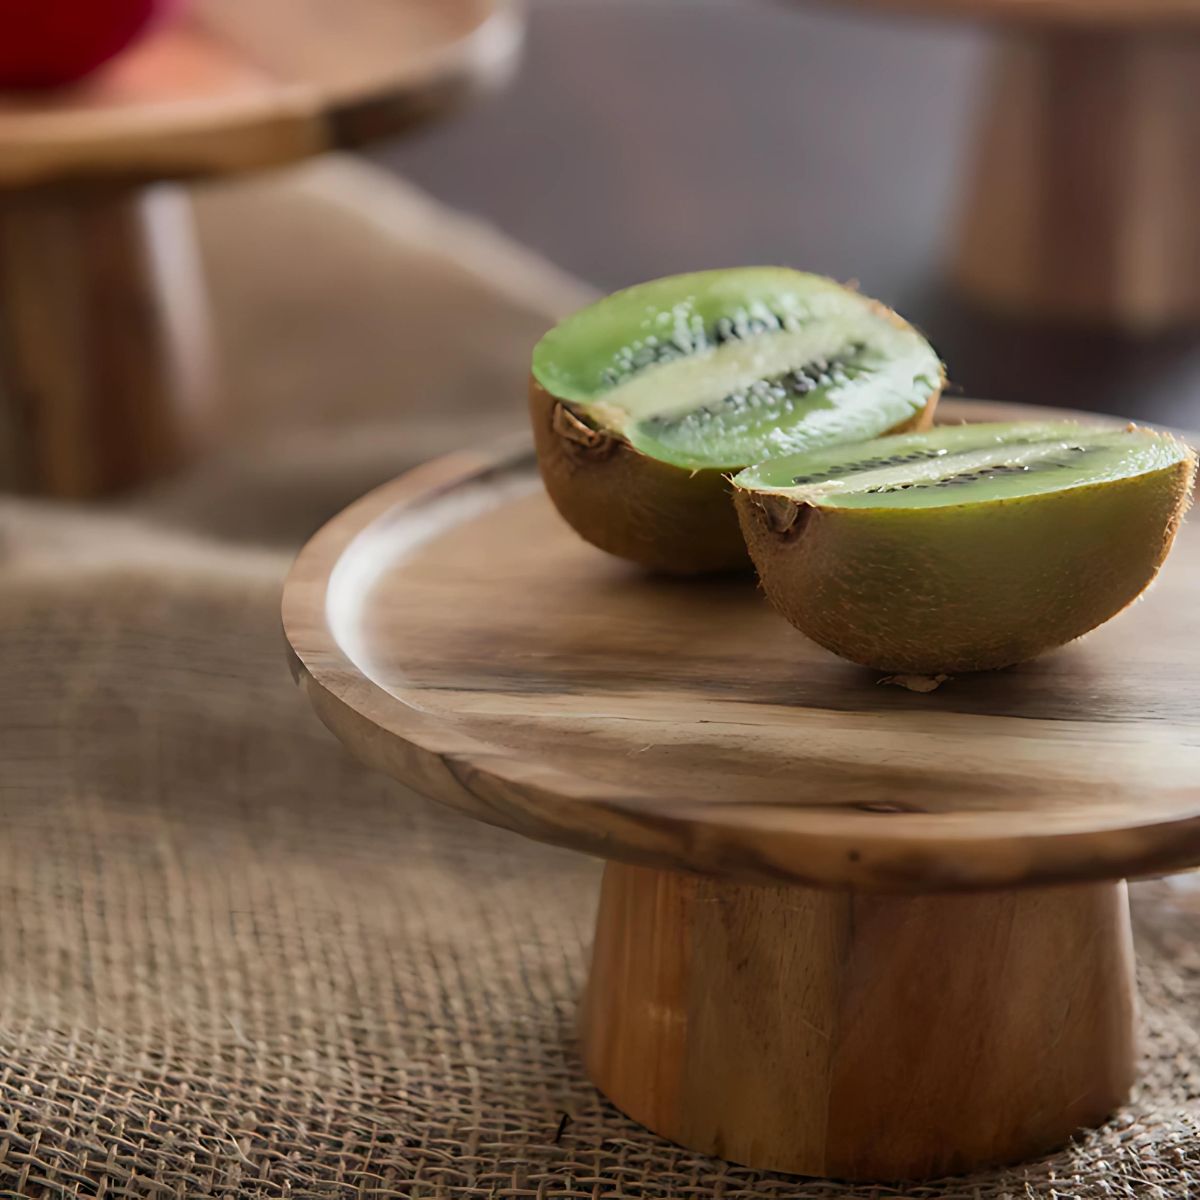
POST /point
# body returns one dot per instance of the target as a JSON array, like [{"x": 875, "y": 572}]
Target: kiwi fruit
[
  {"x": 644, "y": 402},
  {"x": 967, "y": 547}
]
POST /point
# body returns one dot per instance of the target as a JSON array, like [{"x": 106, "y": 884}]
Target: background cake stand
[
  {"x": 1086, "y": 182},
  {"x": 104, "y": 372},
  {"x": 845, "y": 929}
]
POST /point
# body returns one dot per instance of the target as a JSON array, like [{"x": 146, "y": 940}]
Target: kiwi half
[
  {"x": 968, "y": 547},
  {"x": 644, "y": 402}
]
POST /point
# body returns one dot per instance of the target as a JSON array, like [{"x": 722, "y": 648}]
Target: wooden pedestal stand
[
  {"x": 1086, "y": 186},
  {"x": 847, "y": 929},
  {"x": 104, "y": 376},
  {"x": 1086, "y": 176}
]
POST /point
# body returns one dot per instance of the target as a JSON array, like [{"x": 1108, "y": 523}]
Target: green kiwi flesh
[
  {"x": 664, "y": 388},
  {"x": 967, "y": 547}
]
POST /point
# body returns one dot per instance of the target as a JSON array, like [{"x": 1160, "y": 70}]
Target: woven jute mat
[{"x": 233, "y": 963}]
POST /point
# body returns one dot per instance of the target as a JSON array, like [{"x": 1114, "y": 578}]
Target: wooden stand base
[
  {"x": 103, "y": 339},
  {"x": 860, "y": 1037},
  {"x": 1087, "y": 182}
]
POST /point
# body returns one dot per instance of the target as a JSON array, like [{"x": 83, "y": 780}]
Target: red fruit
[{"x": 48, "y": 42}]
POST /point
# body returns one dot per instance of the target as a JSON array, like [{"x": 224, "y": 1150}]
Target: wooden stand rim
[{"x": 453, "y": 633}]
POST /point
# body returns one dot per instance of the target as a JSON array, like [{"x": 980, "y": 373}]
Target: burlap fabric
[{"x": 232, "y": 963}]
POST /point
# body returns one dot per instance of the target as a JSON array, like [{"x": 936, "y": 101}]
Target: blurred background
[
  {"x": 215, "y": 214},
  {"x": 259, "y": 256},
  {"x": 644, "y": 137}
]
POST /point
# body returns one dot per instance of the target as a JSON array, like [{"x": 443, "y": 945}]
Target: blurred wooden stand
[
  {"x": 104, "y": 369},
  {"x": 1086, "y": 183},
  {"x": 105, "y": 376},
  {"x": 1085, "y": 198}
]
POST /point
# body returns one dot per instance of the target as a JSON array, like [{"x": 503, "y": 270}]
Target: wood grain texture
[
  {"x": 861, "y": 1037},
  {"x": 455, "y": 633},
  {"x": 104, "y": 356},
  {"x": 1087, "y": 181},
  {"x": 236, "y": 84}
]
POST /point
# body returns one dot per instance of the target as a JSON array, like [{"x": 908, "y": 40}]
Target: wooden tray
[{"x": 778, "y": 1009}]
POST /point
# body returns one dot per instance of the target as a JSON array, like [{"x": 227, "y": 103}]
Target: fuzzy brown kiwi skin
[
  {"x": 660, "y": 516},
  {"x": 946, "y": 590}
]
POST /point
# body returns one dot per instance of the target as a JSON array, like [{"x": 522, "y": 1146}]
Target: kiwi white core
[
  {"x": 724, "y": 368},
  {"x": 965, "y": 464}
]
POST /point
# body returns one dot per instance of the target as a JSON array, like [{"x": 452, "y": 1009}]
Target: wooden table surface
[
  {"x": 454, "y": 632},
  {"x": 643, "y": 137}
]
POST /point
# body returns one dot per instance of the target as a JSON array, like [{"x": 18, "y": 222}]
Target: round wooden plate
[{"x": 454, "y": 632}]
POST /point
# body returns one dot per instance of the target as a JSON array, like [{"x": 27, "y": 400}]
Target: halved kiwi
[
  {"x": 644, "y": 402},
  {"x": 968, "y": 547}
]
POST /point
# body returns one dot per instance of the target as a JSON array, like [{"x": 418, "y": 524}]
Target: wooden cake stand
[
  {"x": 103, "y": 333},
  {"x": 1086, "y": 177},
  {"x": 845, "y": 929}
]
